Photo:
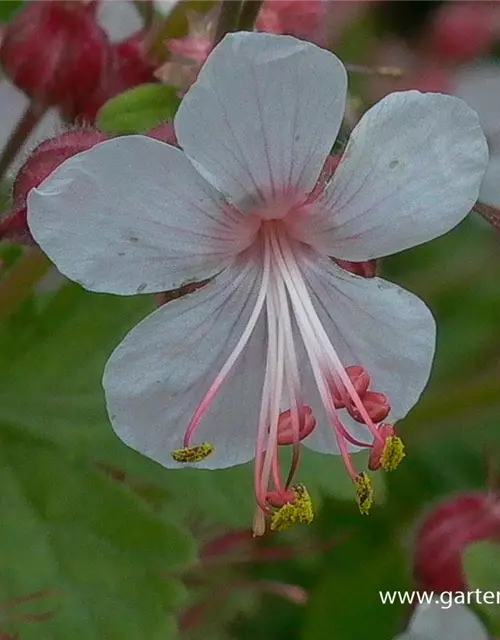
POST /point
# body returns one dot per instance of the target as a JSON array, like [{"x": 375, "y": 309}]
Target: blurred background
[{"x": 98, "y": 542}]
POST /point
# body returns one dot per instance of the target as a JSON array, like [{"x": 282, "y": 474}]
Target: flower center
[{"x": 286, "y": 417}]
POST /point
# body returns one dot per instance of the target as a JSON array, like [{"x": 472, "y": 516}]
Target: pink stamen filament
[
  {"x": 277, "y": 389},
  {"x": 230, "y": 362},
  {"x": 267, "y": 389},
  {"x": 312, "y": 330},
  {"x": 358, "y": 443},
  {"x": 346, "y": 456},
  {"x": 283, "y": 291},
  {"x": 292, "y": 377}
]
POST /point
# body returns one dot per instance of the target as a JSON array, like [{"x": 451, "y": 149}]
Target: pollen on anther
[
  {"x": 193, "y": 454},
  {"x": 393, "y": 453},
  {"x": 299, "y": 511},
  {"x": 364, "y": 493}
]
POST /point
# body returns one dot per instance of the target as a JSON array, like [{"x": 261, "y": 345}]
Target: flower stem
[
  {"x": 489, "y": 213},
  {"x": 249, "y": 14},
  {"x": 30, "y": 118},
  {"x": 228, "y": 19},
  {"x": 19, "y": 281},
  {"x": 146, "y": 11}
]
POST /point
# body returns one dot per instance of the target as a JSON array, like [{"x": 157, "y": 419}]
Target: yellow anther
[
  {"x": 364, "y": 493},
  {"x": 393, "y": 453},
  {"x": 300, "y": 511},
  {"x": 193, "y": 454}
]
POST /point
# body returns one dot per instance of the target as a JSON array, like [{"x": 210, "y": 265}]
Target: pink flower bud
[
  {"x": 55, "y": 51},
  {"x": 376, "y": 405},
  {"x": 41, "y": 163},
  {"x": 446, "y": 533},
  {"x": 306, "y": 425},
  {"x": 130, "y": 65},
  {"x": 360, "y": 381}
]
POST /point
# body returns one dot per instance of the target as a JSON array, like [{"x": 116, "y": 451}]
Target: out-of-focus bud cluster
[
  {"x": 130, "y": 64},
  {"x": 59, "y": 55},
  {"x": 454, "y": 33}
]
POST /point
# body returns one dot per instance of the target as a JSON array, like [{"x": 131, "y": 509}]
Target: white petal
[
  {"x": 13, "y": 104},
  {"x": 132, "y": 215},
  {"x": 411, "y": 171},
  {"x": 435, "y": 622},
  {"x": 161, "y": 371},
  {"x": 119, "y": 18},
  {"x": 375, "y": 324},
  {"x": 263, "y": 115}
]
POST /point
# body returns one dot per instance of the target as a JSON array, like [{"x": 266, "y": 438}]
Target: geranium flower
[{"x": 282, "y": 346}]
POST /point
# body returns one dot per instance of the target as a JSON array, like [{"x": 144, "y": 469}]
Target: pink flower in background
[
  {"x": 282, "y": 347},
  {"x": 462, "y": 31},
  {"x": 307, "y": 19},
  {"x": 188, "y": 54},
  {"x": 300, "y": 18}
]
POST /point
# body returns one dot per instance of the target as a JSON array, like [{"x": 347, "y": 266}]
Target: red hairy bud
[
  {"x": 55, "y": 51},
  {"x": 130, "y": 65},
  {"x": 446, "y": 533},
  {"x": 41, "y": 163}
]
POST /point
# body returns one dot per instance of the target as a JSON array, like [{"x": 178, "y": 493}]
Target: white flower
[
  {"x": 437, "y": 622},
  {"x": 479, "y": 86},
  {"x": 280, "y": 322}
]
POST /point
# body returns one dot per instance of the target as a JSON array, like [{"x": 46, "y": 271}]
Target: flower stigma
[
  {"x": 364, "y": 493},
  {"x": 297, "y": 511},
  {"x": 193, "y": 454}
]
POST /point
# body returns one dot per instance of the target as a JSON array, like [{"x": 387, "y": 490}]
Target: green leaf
[
  {"x": 69, "y": 529},
  {"x": 345, "y": 600},
  {"x": 482, "y": 568},
  {"x": 138, "y": 110},
  {"x": 8, "y": 8}
]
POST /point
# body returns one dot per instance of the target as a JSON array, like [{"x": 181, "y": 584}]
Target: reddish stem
[{"x": 29, "y": 120}]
